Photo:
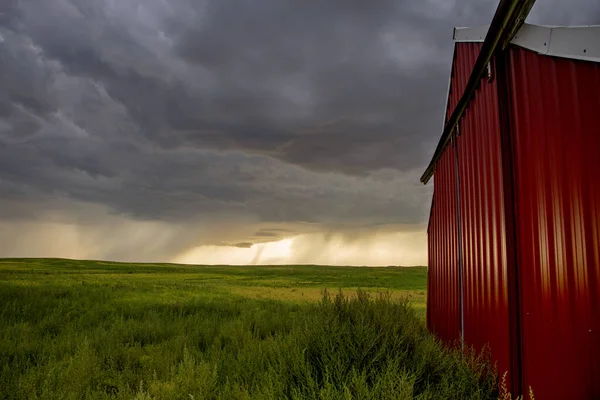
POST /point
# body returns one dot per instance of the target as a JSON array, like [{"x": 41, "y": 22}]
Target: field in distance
[
  {"x": 101, "y": 330},
  {"x": 175, "y": 282}
]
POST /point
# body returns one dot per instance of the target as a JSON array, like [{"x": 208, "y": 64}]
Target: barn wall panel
[
  {"x": 443, "y": 313},
  {"x": 443, "y": 307},
  {"x": 465, "y": 56},
  {"x": 483, "y": 227},
  {"x": 483, "y": 237},
  {"x": 556, "y": 105}
]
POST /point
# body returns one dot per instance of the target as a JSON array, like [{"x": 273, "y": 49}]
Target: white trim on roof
[
  {"x": 472, "y": 34},
  {"x": 576, "y": 42}
]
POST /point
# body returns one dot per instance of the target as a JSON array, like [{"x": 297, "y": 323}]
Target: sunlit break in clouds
[
  {"x": 384, "y": 249},
  {"x": 227, "y": 131}
]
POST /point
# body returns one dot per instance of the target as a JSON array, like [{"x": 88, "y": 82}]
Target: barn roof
[
  {"x": 575, "y": 42},
  {"x": 507, "y": 27}
]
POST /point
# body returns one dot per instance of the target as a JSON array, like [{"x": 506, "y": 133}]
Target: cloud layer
[{"x": 257, "y": 120}]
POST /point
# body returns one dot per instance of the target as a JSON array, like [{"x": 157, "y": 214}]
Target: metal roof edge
[
  {"x": 470, "y": 34},
  {"x": 575, "y": 42},
  {"x": 509, "y": 16}
]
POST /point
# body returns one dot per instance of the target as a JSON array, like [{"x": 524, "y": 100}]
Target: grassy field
[{"x": 100, "y": 330}]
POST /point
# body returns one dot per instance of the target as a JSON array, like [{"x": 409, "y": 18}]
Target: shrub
[{"x": 80, "y": 342}]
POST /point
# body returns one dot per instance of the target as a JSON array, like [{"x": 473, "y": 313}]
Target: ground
[
  {"x": 101, "y": 330},
  {"x": 169, "y": 283}
]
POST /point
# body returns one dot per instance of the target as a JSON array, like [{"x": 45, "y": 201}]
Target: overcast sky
[{"x": 198, "y": 131}]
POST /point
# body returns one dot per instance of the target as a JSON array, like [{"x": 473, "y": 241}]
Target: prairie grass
[{"x": 94, "y": 330}]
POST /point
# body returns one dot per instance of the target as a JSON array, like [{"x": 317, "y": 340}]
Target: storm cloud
[{"x": 223, "y": 123}]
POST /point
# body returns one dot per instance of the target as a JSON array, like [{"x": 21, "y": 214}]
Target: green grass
[
  {"x": 100, "y": 330},
  {"x": 172, "y": 282}
]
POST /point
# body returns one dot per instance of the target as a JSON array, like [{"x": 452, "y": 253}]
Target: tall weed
[{"x": 82, "y": 342}]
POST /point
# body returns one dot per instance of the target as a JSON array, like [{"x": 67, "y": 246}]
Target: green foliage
[{"x": 95, "y": 331}]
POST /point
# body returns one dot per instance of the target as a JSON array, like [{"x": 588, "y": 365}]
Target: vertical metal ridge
[
  {"x": 510, "y": 200},
  {"x": 459, "y": 246}
]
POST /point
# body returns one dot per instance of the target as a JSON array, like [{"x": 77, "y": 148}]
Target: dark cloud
[
  {"x": 272, "y": 112},
  {"x": 244, "y": 245},
  {"x": 330, "y": 86},
  {"x": 266, "y": 234},
  {"x": 557, "y": 12}
]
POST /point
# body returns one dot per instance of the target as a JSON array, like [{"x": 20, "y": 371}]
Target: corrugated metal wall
[
  {"x": 483, "y": 226},
  {"x": 443, "y": 313},
  {"x": 556, "y": 139},
  {"x": 443, "y": 301},
  {"x": 553, "y": 139},
  {"x": 465, "y": 55},
  {"x": 482, "y": 219}
]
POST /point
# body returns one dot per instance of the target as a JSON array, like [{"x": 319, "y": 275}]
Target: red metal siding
[
  {"x": 443, "y": 302},
  {"x": 465, "y": 55},
  {"x": 556, "y": 142},
  {"x": 482, "y": 219},
  {"x": 486, "y": 312},
  {"x": 443, "y": 313}
]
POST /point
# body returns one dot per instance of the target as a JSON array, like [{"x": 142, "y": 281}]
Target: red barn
[{"x": 514, "y": 230}]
